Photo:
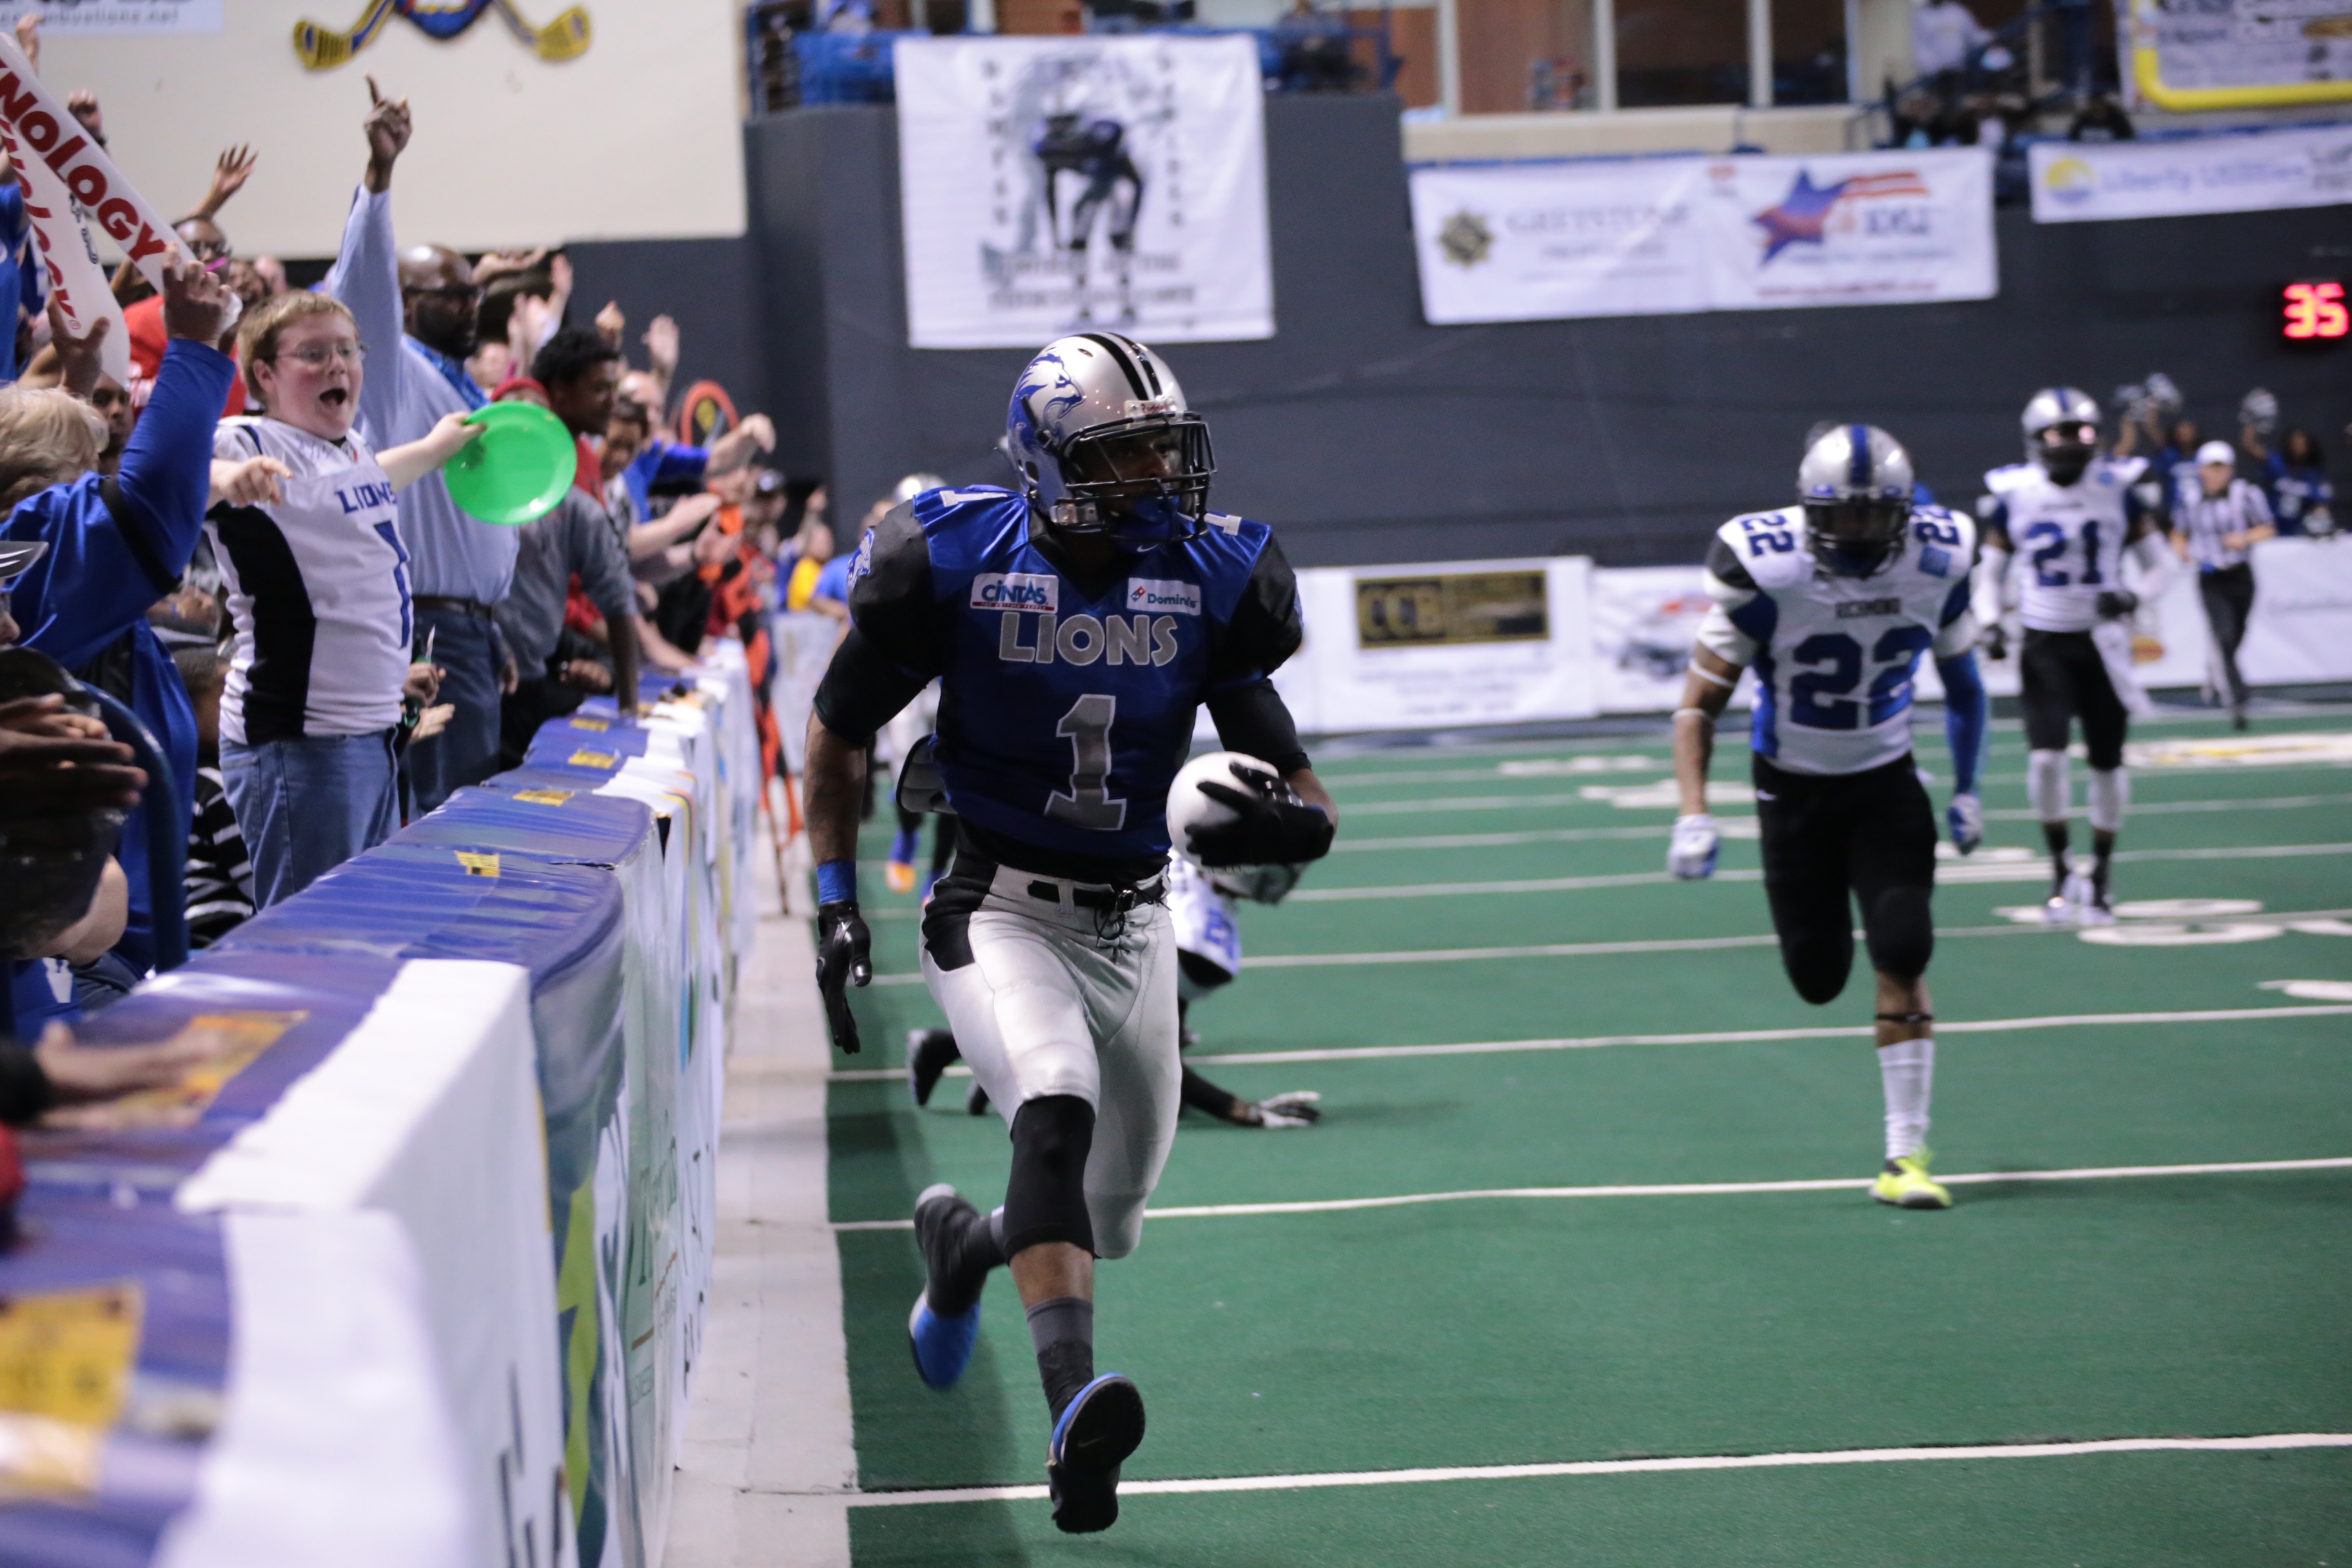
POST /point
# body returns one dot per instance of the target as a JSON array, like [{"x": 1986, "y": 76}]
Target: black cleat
[
  {"x": 976, "y": 1102},
  {"x": 1097, "y": 1432},
  {"x": 929, "y": 1054}
]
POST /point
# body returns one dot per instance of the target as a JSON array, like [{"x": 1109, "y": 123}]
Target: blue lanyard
[{"x": 453, "y": 370}]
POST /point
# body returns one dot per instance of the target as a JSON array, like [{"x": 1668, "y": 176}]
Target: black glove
[
  {"x": 2117, "y": 603},
  {"x": 843, "y": 950},
  {"x": 1272, "y": 828},
  {"x": 1996, "y": 642}
]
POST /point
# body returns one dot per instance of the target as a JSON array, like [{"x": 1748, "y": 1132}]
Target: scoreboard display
[{"x": 2314, "y": 313}]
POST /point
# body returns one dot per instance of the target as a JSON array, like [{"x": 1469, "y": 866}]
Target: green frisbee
[{"x": 516, "y": 470}]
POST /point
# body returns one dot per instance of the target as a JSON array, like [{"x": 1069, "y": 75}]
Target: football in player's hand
[{"x": 1191, "y": 809}]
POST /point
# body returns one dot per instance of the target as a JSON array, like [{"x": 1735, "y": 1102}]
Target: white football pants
[{"x": 1047, "y": 1005}]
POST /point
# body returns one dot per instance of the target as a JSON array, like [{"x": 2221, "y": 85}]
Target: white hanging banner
[
  {"x": 2192, "y": 54},
  {"x": 2298, "y": 166},
  {"x": 1521, "y": 242},
  {"x": 1059, "y": 184},
  {"x": 76, "y": 281},
  {"x": 41, "y": 122},
  {"x": 70, "y": 18}
]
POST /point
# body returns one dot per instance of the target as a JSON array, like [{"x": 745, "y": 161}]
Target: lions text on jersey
[
  {"x": 1066, "y": 706},
  {"x": 1835, "y": 653},
  {"x": 2068, "y": 539}
]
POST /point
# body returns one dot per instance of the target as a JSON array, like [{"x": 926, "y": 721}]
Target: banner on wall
[
  {"x": 1057, "y": 184},
  {"x": 2239, "y": 54},
  {"x": 2300, "y": 166},
  {"x": 68, "y": 18},
  {"x": 1425, "y": 646},
  {"x": 1520, "y": 242}
]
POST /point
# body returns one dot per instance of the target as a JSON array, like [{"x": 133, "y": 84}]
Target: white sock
[
  {"x": 2110, "y": 798},
  {"x": 1907, "y": 1071},
  {"x": 2046, "y": 785}
]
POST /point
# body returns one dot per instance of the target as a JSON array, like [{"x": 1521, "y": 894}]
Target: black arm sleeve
[
  {"x": 1723, "y": 561},
  {"x": 891, "y": 600},
  {"x": 862, "y": 690},
  {"x": 1254, "y": 720},
  {"x": 1264, "y": 629}
]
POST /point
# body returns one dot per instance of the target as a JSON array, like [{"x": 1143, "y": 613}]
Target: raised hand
[
  {"x": 229, "y": 174},
  {"x": 388, "y": 127},
  {"x": 79, "y": 360},
  {"x": 196, "y": 303}
]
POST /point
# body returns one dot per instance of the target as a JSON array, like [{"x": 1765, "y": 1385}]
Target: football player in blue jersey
[
  {"x": 1833, "y": 601},
  {"x": 1075, "y": 625}
]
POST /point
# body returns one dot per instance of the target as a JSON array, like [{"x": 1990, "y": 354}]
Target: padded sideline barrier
[{"x": 333, "y": 1303}]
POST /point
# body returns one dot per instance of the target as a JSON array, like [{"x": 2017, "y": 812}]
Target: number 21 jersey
[
  {"x": 1834, "y": 654},
  {"x": 2068, "y": 539}
]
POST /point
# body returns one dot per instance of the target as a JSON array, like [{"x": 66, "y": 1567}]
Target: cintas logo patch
[{"x": 1015, "y": 591}]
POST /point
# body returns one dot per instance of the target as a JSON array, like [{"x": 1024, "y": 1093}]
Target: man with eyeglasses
[{"x": 418, "y": 313}]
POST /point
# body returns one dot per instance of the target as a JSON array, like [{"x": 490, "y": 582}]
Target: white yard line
[
  {"x": 2267, "y": 1443},
  {"x": 1685, "y": 1190},
  {"x": 1945, "y": 1028},
  {"x": 1659, "y": 830},
  {"x": 1952, "y": 871}
]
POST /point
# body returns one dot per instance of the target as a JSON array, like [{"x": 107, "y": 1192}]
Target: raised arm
[{"x": 366, "y": 275}]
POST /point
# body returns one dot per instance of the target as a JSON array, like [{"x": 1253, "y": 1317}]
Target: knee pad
[
  {"x": 1045, "y": 1200},
  {"x": 2046, "y": 786},
  {"x": 1900, "y": 932},
  {"x": 2110, "y": 798},
  {"x": 1818, "y": 970},
  {"x": 1121, "y": 1223}
]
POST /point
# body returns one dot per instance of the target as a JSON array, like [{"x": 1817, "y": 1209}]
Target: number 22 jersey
[
  {"x": 1834, "y": 654},
  {"x": 1066, "y": 706}
]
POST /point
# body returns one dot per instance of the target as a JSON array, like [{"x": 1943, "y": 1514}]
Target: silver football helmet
[
  {"x": 2062, "y": 431},
  {"x": 1259, "y": 884},
  {"x": 1104, "y": 443},
  {"x": 1856, "y": 483}
]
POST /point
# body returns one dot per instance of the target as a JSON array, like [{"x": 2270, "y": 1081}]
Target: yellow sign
[
  {"x": 544, "y": 797},
  {"x": 1452, "y": 608},
  {"x": 593, "y": 759},
  {"x": 227, "y": 1043},
  {"x": 67, "y": 1355},
  {"x": 581, "y": 722},
  {"x": 478, "y": 865}
]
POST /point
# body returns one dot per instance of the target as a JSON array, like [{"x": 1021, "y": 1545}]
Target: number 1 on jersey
[{"x": 1088, "y": 803}]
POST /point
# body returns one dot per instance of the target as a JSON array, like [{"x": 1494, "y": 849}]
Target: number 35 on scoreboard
[{"x": 2314, "y": 313}]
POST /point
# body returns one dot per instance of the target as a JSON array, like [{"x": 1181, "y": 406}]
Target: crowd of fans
[{"x": 241, "y": 618}]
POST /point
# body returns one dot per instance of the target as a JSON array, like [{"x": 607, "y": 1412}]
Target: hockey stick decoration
[{"x": 322, "y": 48}]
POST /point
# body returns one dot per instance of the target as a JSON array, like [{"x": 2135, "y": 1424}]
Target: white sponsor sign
[
  {"x": 2077, "y": 181},
  {"x": 1644, "y": 622},
  {"x": 69, "y": 259},
  {"x": 1154, "y": 594},
  {"x": 65, "y": 17},
  {"x": 1430, "y": 646},
  {"x": 1659, "y": 235},
  {"x": 1015, "y": 591},
  {"x": 1058, "y": 184},
  {"x": 2301, "y": 629}
]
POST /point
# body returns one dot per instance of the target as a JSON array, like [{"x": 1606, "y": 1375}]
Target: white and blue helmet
[
  {"x": 2062, "y": 430},
  {"x": 1856, "y": 483},
  {"x": 1104, "y": 443}
]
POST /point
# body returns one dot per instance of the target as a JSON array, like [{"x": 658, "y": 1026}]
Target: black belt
[
  {"x": 1112, "y": 898},
  {"x": 473, "y": 607}
]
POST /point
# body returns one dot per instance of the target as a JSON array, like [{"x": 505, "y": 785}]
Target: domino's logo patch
[
  {"x": 1015, "y": 591},
  {"x": 1935, "y": 561},
  {"x": 1150, "y": 593}
]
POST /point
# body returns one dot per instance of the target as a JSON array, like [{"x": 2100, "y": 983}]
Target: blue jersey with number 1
[{"x": 1065, "y": 705}]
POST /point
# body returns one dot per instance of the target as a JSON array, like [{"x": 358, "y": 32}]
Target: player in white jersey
[
  {"x": 2073, "y": 516},
  {"x": 1201, "y": 907},
  {"x": 1833, "y": 601}
]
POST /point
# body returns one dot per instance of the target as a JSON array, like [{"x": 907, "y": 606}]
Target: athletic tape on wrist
[
  {"x": 836, "y": 882},
  {"x": 1728, "y": 685},
  {"x": 1700, "y": 711}
]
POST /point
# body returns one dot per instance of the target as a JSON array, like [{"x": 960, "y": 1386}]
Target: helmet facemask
[
  {"x": 2064, "y": 449},
  {"x": 1141, "y": 482},
  {"x": 1856, "y": 530}
]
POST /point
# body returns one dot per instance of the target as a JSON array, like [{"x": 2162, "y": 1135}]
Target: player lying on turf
[
  {"x": 2075, "y": 515},
  {"x": 1834, "y": 601},
  {"x": 1208, "y": 957},
  {"x": 1075, "y": 625}
]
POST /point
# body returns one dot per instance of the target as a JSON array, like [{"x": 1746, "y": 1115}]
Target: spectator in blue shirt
[
  {"x": 2296, "y": 479},
  {"x": 119, "y": 543}
]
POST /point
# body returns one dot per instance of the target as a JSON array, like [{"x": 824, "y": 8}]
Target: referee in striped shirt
[{"x": 2217, "y": 519}]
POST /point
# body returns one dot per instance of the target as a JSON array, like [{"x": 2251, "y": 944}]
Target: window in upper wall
[
  {"x": 1809, "y": 51},
  {"x": 1524, "y": 55},
  {"x": 1681, "y": 52}
]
